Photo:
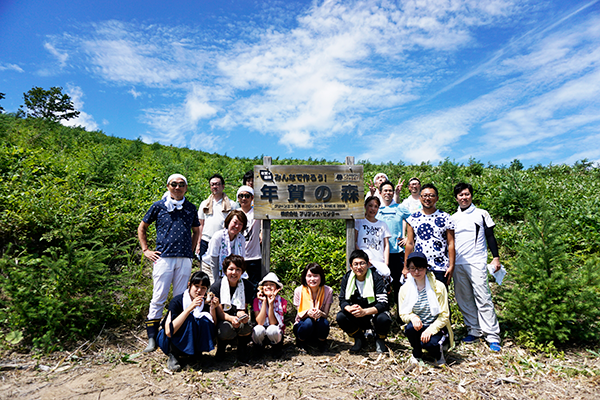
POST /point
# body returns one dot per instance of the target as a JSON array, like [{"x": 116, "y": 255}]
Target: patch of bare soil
[{"x": 113, "y": 367}]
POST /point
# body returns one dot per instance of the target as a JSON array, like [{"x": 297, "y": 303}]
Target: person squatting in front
[
  {"x": 423, "y": 305},
  {"x": 177, "y": 231},
  {"x": 235, "y": 295},
  {"x": 313, "y": 300},
  {"x": 189, "y": 326},
  {"x": 363, "y": 303},
  {"x": 269, "y": 308}
]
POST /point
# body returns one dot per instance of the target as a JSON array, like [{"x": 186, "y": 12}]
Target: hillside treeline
[{"x": 71, "y": 201}]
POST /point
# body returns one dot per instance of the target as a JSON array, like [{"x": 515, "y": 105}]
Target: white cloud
[
  {"x": 61, "y": 57},
  {"x": 134, "y": 93},
  {"x": 84, "y": 119},
  {"x": 10, "y": 67}
]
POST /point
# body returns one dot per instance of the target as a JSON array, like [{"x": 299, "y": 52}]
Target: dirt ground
[{"x": 113, "y": 367}]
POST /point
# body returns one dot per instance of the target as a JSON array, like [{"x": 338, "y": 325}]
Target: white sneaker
[
  {"x": 441, "y": 361},
  {"x": 415, "y": 360}
]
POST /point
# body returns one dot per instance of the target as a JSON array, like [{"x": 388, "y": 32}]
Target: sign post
[{"x": 307, "y": 192}]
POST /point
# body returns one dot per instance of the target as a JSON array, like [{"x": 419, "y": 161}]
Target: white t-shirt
[
  {"x": 370, "y": 238},
  {"x": 215, "y": 221},
  {"x": 469, "y": 235},
  {"x": 252, "y": 235},
  {"x": 412, "y": 204}
]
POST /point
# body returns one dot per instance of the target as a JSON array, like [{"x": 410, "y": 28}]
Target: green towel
[{"x": 369, "y": 289}]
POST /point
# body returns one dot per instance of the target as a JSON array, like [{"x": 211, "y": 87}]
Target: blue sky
[{"x": 415, "y": 81}]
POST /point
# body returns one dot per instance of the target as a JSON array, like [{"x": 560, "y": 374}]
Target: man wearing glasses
[
  {"x": 431, "y": 232},
  {"x": 175, "y": 218},
  {"x": 212, "y": 212}
]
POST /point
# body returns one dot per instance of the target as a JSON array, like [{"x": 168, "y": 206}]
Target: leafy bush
[
  {"x": 553, "y": 295},
  {"x": 68, "y": 293}
]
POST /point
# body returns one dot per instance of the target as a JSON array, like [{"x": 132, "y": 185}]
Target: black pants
[
  {"x": 381, "y": 323},
  {"x": 396, "y": 267}
]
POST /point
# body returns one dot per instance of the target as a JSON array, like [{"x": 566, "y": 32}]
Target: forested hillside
[{"x": 71, "y": 200}]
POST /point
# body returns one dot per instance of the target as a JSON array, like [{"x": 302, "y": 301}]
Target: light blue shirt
[{"x": 393, "y": 215}]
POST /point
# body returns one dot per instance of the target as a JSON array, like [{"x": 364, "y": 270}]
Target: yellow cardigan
[{"x": 443, "y": 318}]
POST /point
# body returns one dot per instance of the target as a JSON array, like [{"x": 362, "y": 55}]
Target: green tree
[
  {"x": 53, "y": 104},
  {"x": 553, "y": 294}
]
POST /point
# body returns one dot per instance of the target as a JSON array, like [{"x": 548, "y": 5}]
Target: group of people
[
  {"x": 407, "y": 251},
  {"x": 416, "y": 250}
]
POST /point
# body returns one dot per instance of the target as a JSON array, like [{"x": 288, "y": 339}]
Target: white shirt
[
  {"x": 469, "y": 236},
  {"x": 412, "y": 204},
  {"x": 215, "y": 221}
]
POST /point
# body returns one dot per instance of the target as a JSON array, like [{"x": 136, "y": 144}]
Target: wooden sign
[{"x": 308, "y": 192}]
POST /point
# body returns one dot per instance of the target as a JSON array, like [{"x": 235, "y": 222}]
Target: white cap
[{"x": 176, "y": 176}]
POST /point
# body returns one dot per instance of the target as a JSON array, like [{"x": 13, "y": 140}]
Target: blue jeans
[{"x": 309, "y": 329}]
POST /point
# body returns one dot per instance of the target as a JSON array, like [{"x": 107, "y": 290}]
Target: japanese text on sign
[{"x": 308, "y": 191}]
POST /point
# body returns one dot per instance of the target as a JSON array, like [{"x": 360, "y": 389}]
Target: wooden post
[
  {"x": 350, "y": 232},
  {"x": 266, "y": 234}
]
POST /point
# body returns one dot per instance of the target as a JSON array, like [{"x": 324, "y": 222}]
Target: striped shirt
[{"x": 421, "y": 308}]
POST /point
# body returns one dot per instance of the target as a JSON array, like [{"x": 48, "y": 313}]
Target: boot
[
  {"x": 221, "y": 346},
  {"x": 152, "y": 330},
  {"x": 357, "y": 342},
  {"x": 242, "y": 349}
]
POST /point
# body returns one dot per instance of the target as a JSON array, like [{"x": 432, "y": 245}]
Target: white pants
[
  {"x": 474, "y": 299},
  {"x": 167, "y": 271},
  {"x": 272, "y": 332},
  {"x": 382, "y": 268}
]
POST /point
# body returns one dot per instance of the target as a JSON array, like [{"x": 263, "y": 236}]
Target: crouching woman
[
  {"x": 189, "y": 326},
  {"x": 423, "y": 303},
  {"x": 364, "y": 303},
  {"x": 269, "y": 308},
  {"x": 313, "y": 300}
]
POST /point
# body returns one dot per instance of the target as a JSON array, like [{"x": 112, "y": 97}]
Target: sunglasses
[
  {"x": 177, "y": 184},
  {"x": 244, "y": 196}
]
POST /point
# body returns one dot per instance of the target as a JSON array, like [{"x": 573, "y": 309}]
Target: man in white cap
[
  {"x": 175, "y": 218},
  {"x": 253, "y": 258}
]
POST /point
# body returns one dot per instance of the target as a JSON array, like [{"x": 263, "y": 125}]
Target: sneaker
[
  {"x": 380, "y": 346},
  {"x": 441, "y": 361},
  {"x": 415, "y": 360},
  {"x": 470, "y": 339},
  {"x": 495, "y": 347},
  {"x": 173, "y": 363},
  {"x": 369, "y": 334}
]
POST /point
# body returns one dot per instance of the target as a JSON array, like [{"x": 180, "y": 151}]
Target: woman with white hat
[{"x": 269, "y": 309}]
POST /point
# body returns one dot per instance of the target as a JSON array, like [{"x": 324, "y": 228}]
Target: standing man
[
  {"x": 474, "y": 227},
  {"x": 394, "y": 216},
  {"x": 431, "y": 232},
  {"x": 253, "y": 259},
  {"x": 413, "y": 202},
  {"x": 175, "y": 217},
  {"x": 213, "y": 211}
]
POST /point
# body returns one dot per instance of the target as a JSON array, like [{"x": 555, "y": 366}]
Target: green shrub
[
  {"x": 552, "y": 294},
  {"x": 68, "y": 293}
]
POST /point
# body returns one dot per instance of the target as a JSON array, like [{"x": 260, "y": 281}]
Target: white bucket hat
[{"x": 271, "y": 277}]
